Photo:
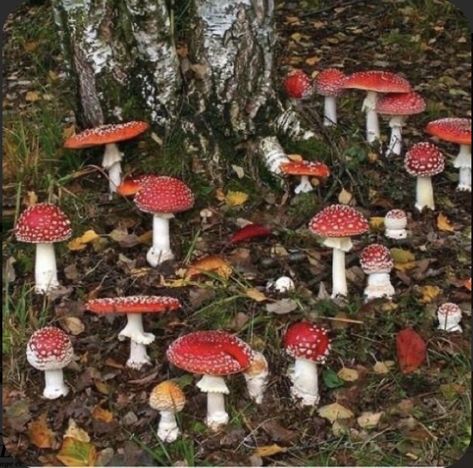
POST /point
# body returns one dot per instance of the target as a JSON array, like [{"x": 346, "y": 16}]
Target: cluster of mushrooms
[{"x": 215, "y": 354}]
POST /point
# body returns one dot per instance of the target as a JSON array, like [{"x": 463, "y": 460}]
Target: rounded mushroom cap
[
  {"x": 449, "y": 309},
  {"x": 43, "y": 223},
  {"x": 133, "y": 304},
  {"x": 49, "y": 348},
  {"x": 211, "y": 352},
  {"x": 330, "y": 82},
  {"x": 106, "y": 134},
  {"x": 376, "y": 258},
  {"x": 131, "y": 185},
  {"x": 378, "y": 81},
  {"x": 395, "y": 219},
  {"x": 401, "y": 104},
  {"x": 167, "y": 396},
  {"x": 307, "y": 341},
  {"x": 298, "y": 85},
  {"x": 424, "y": 159},
  {"x": 396, "y": 214},
  {"x": 164, "y": 194},
  {"x": 338, "y": 221},
  {"x": 305, "y": 168},
  {"x": 454, "y": 130}
]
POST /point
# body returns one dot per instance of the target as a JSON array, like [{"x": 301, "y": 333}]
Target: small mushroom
[
  {"x": 377, "y": 263},
  {"x": 305, "y": 169},
  {"x": 298, "y": 85},
  {"x": 395, "y": 223},
  {"x": 330, "y": 84},
  {"x": 206, "y": 214},
  {"x": 449, "y": 316},
  {"x": 281, "y": 285},
  {"x": 256, "y": 377}
]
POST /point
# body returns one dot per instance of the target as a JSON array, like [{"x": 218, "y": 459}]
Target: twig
[{"x": 342, "y": 3}]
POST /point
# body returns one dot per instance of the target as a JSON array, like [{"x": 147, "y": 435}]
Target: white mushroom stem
[
  {"x": 340, "y": 245},
  {"x": 45, "y": 268},
  {"x": 463, "y": 162},
  {"x": 395, "y": 144},
  {"x": 111, "y": 161},
  {"x": 167, "y": 428},
  {"x": 450, "y": 322},
  {"x": 305, "y": 186},
  {"x": 256, "y": 377},
  {"x": 138, "y": 356},
  {"x": 425, "y": 193},
  {"x": 330, "y": 111},
  {"x": 160, "y": 251},
  {"x": 379, "y": 285},
  {"x": 54, "y": 384},
  {"x": 216, "y": 390},
  {"x": 134, "y": 330},
  {"x": 372, "y": 121},
  {"x": 305, "y": 384}
]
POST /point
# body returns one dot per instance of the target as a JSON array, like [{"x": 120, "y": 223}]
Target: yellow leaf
[
  {"x": 256, "y": 295},
  {"x": 75, "y": 432},
  {"x": 383, "y": 367},
  {"x": 31, "y": 46},
  {"x": 429, "y": 293},
  {"x": 39, "y": 432},
  {"x": 444, "y": 224},
  {"x": 344, "y": 197},
  {"x": 376, "y": 223},
  {"x": 31, "y": 198},
  {"x": 335, "y": 411},
  {"x": 210, "y": 264},
  {"x": 295, "y": 157},
  {"x": 403, "y": 259},
  {"x": 77, "y": 453},
  {"x": 235, "y": 198},
  {"x": 177, "y": 283},
  {"x": 32, "y": 96},
  {"x": 101, "y": 414},
  {"x": 73, "y": 325},
  {"x": 80, "y": 243},
  {"x": 348, "y": 375},
  {"x": 269, "y": 450},
  {"x": 296, "y": 36},
  {"x": 368, "y": 419}
]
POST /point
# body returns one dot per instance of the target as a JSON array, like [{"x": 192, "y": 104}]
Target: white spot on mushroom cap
[{"x": 338, "y": 221}]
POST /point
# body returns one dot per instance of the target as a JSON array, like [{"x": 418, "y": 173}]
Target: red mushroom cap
[
  {"x": 210, "y": 352},
  {"x": 307, "y": 341},
  {"x": 338, "y": 221},
  {"x": 164, "y": 195},
  {"x": 424, "y": 159},
  {"x": 131, "y": 185},
  {"x": 106, "y": 134},
  {"x": 455, "y": 130},
  {"x": 401, "y": 104},
  {"x": 133, "y": 304},
  {"x": 449, "y": 308},
  {"x": 43, "y": 223},
  {"x": 305, "y": 168},
  {"x": 376, "y": 258},
  {"x": 378, "y": 81},
  {"x": 298, "y": 85},
  {"x": 330, "y": 82},
  {"x": 49, "y": 348}
]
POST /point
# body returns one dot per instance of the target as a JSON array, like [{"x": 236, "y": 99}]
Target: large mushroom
[
  {"x": 309, "y": 345},
  {"x": 108, "y": 135},
  {"x": 456, "y": 130},
  {"x": 377, "y": 263},
  {"x": 44, "y": 224},
  {"x": 305, "y": 169},
  {"x": 375, "y": 82},
  {"x": 423, "y": 161},
  {"x": 330, "y": 84},
  {"x": 214, "y": 354},
  {"x": 163, "y": 196},
  {"x": 134, "y": 307},
  {"x": 336, "y": 224},
  {"x": 49, "y": 349}
]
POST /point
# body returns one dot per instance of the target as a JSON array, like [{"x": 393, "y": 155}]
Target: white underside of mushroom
[
  {"x": 305, "y": 385},
  {"x": 167, "y": 428},
  {"x": 216, "y": 390},
  {"x": 379, "y": 285},
  {"x": 340, "y": 245},
  {"x": 45, "y": 269},
  {"x": 111, "y": 162},
  {"x": 330, "y": 111},
  {"x": 395, "y": 143},
  {"x": 372, "y": 120},
  {"x": 450, "y": 322},
  {"x": 424, "y": 193},
  {"x": 54, "y": 384},
  {"x": 463, "y": 162},
  {"x": 134, "y": 330},
  {"x": 304, "y": 186},
  {"x": 395, "y": 228},
  {"x": 138, "y": 356},
  {"x": 160, "y": 251},
  {"x": 256, "y": 382}
]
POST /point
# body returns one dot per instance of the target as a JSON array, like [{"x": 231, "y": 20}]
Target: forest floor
[{"x": 422, "y": 418}]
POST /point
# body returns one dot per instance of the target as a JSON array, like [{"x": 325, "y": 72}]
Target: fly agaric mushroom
[
  {"x": 214, "y": 354},
  {"x": 167, "y": 398},
  {"x": 456, "y": 130},
  {"x": 298, "y": 85},
  {"x": 305, "y": 169},
  {"x": 375, "y": 82},
  {"x": 399, "y": 107},
  {"x": 309, "y": 345},
  {"x": 134, "y": 307},
  {"x": 108, "y": 135},
  {"x": 424, "y": 160},
  {"x": 330, "y": 84},
  {"x": 50, "y": 350},
  {"x": 336, "y": 224},
  {"x": 163, "y": 196},
  {"x": 129, "y": 186},
  {"x": 395, "y": 223},
  {"x": 449, "y": 316},
  {"x": 256, "y": 377},
  {"x": 377, "y": 263},
  {"x": 43, "y": 224}
]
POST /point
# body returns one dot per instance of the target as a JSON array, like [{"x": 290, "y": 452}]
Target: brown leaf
[
  {"x": 39, "y": 432},
  {"x": 72, "y": 325},
  {"x": 101, "y": 414},
  {"x": 444, "y": 224},
  {"x": 411, "y": 350},
  {"x": 210, "y": 264},
  {"x": 255, "y": 294},
  {"x": 269, "y": 450}
]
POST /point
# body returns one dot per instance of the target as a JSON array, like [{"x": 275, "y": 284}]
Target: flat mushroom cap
[
  {"x": 305, "y": 168},
  {"x": 376, "y": 258},
  {"x": 49, "y": 348},
  {"x": 211, "y": 352},
  {"x": 338, "y": 221},
  {"x": 167, "y": 396},
  {"x": 378, "y": 81},
  {"x": 307, "y": 341},
  {"x": 130, "y": 186},
  {"x": 164, "y": 195},
  {"x": 43, "y": 223},
  {"x": 106, "y": 134},
  {"x": 449, "y": 308},
  {"x": 133, "y": 305},
  {"x": 401, "y": 104},
  {"x": 298, "y": 85},
  {"x": 330, "y": 82},
  {"x": 424, "y": 159},
  {"x": 454, "y": 130}
]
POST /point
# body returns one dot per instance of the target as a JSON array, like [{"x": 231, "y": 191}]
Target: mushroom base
[
  {"x": 138, "y": 356},
  {"x": 54, "y": 384},
  {"x": 305, "y": 186},
  {"x": 379, "y": 285},
  {"x": 395, "y": 142},
  {"x": 167, "y": 428},
  {"x": 305, "y": 382},
  {"x": 45, "y": 269}
]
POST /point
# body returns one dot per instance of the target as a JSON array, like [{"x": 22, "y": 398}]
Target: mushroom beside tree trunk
[
  {"x": 45, "y": 269},
  {"x": 216, "y": 390}
]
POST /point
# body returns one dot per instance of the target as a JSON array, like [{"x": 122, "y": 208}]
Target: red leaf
[
  {"x": 248, "y": 232},
  {"x": 411, "y": 350}
]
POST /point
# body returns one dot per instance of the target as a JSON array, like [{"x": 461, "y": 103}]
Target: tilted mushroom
[
  {"x": 134, "y": 307},
  {"x": 330, "y": 84},
  {"x": 377, "y": 263},
  {"x": 305, "y": 169},
  {"x": 108, "y": 135},
  {"x": 395, "y": 223},
  {"x": 309, "y": 345},
  {"x": 214, "y": 354},
  {"x": 423, "y": 161},
  {"x": 298, "y": 85},
  {"x": 256, "y": 377},
  {"x": 336, "y": 224},
  {"x": 449, "y": 316},
  {"x": 49, "y": 349},
  {"x": 163, "y": 196},
  {"x": 44, "y": 224}
]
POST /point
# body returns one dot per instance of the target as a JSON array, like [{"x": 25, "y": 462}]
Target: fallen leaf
[
  {"x": 444, "y": 224},
  {"x": 75, "y": 432},
  {"x": 235, "y": 198},
  {"x": 255, "y": 294},
  {"x": 403, "y": 259},
  {"x": 72, "y": 325},
  {"x": 295, "y": 157},
  {"x": 376, "y": 223},
  {"x": 314, "y": 60},
  {"x": 210, "y": 264},
  {"x": 281, "y": 307},
  {"x": 250, "y": 231},
  {"x": 411, "y": 350},
  {"x": 101, "y": 414},
  {"x": 368, "y": 419},
  {"x": 348, "y": 375},
  {"x": 77, "y": 453},
  {"x": 32, "y": 96},
  {"x": 80, "y": 243},
  {"x": 31, "y": 198},
  {"x": 39, "y": 432},
  {"x": 383, "y": 367},
  {"x": 429, "y": 293},
  {"x": 269, "y": 450},
  {"x": 335, "y": 411},
  {"x": 239, "y": 171}
]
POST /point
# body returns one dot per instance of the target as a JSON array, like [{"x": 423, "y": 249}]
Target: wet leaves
[
  {"x": 444, "y": 224},
  {"x": 210, "y": 264}
]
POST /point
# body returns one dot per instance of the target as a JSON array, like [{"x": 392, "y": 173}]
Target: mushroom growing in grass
[
  {"x": 214, "y": 354},
  {"x": 298, "y": 85},
  {"x": 399, "y": 107},
  {"x": 305, "y": 169},
  {"x": 256, "y": 377},
  {"x": 377, "y": 263},
  {"x": 134, "y": 307},
  {"x": 330, "y": 84},
  {"x": 423, "y": 161},
  {"x": 167, "y": 398},
  {"x": 395, "y": 223},
  {"x": 163, "y": 196},
  {"x": 375, "y": 82},
  {"x": 456, "y": 130},
  {"x": 50, "y": 350},
  {"x": 336, "y": 224},
  {"x": 449, "y": 316},
  {"x": 108, "y": 135},
  {"x": 310, "y": 345},
  {"x": 43, "y": 224}
]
